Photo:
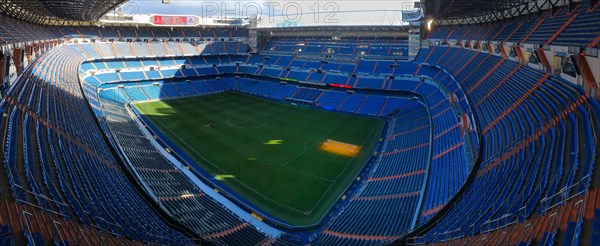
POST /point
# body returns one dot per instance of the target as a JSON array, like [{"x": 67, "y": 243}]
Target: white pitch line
[
  {"x": 242, "y": 183},
  {"x": 310, "y": 174},
  {"x": 255, "y": 191},
  {"x": 310, "y": 146},
  {"x": 335, "y": 180},
  {"x": 232, "y": 126}
]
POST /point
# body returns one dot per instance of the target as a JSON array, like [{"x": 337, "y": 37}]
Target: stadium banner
[{"x": 173, "y": 20}]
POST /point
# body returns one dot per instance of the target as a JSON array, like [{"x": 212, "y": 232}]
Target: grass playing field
[{"x": 275, "y": 155}]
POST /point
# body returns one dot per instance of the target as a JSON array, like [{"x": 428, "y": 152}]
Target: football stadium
[{"x": 386, "y": 122}]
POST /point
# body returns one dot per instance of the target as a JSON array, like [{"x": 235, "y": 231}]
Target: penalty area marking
[
  {"x": 252, "y": 189},
  {"x": 310, "y": 146},
  {"x": 244, "y": 184},
  {"x": 343, "y": 170}
]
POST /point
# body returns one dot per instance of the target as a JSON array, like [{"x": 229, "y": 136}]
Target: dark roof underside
[
  {"x": 49, "y": 11},
  {"x": 462, "y": 9}
]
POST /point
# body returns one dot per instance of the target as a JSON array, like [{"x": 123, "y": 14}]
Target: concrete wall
[{"x": 594, "y": 64}]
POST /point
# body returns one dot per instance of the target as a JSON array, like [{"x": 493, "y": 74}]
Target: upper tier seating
[
  {"x": 373, "y": 47},
  {"x": 483, "y": 94},
  {"x": 397, "y": 153},
  {"x": 55, "y": 150},
  {"x": 536, "y": 129},
  {"x": 570, "y": 25},
  {"x": 13, "y": 30},
  {"x": 534, "y": 182}
]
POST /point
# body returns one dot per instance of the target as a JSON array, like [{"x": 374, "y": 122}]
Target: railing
[
  {"x": 553, "y": 226},
  {"x": 564, "y": 195},
  {"x": 56, "y": 232},
  {"x": 419, "y": 240},
  {"x": 81, "y": 236},
  {"x": 426, "y": 178},
  {"x": 525, "y": 232},
  {"x": 140, "y": 182},
  {"x": 499, "y": 223},
  {"x": 449, "y": 235}
]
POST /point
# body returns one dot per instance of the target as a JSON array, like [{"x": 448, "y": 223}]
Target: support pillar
[
  {"x": 28, "y": 49},
  {"x": 2, "y": 67},
  {"x": 589, "y": 82},
  {"x": 520, "y": 54},
  {"x": 503, "y": 51},
  {"x": 543, "y": 59},
  {"x": 18, "y": 59}
]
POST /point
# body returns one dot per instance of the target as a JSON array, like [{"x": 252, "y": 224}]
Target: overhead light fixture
[{"x": 429, "y": 22}]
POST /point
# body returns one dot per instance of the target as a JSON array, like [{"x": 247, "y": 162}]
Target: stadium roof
[
  {"x": 477, "y": 11},
  {"x": 89, "y": 12},
  {"x": 57, "y": 11}
]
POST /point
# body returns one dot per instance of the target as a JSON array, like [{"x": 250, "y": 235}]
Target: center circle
[{"x": 246, "y": 121}]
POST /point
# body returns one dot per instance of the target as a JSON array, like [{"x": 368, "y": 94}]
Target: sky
[{"x": 283, "y": 13}]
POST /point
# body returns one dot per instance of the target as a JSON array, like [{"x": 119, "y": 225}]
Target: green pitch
[{"x": 269, "y": 153}]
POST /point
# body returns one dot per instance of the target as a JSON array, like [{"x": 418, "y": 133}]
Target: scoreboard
[
  {"x": 191, "y": 20},
  {"x": 171, "y": 20}
]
